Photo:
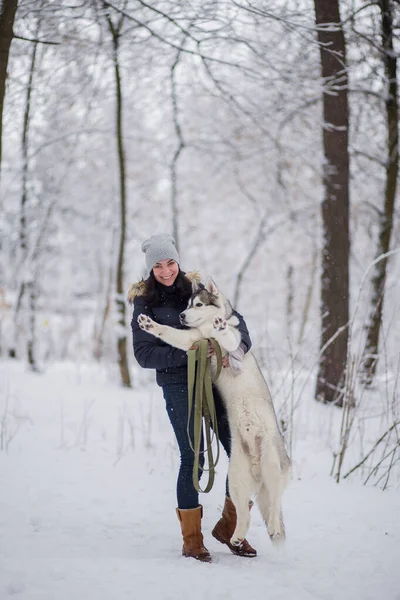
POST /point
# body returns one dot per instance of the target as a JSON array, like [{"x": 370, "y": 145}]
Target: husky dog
[{"x": 258, "y": 464}]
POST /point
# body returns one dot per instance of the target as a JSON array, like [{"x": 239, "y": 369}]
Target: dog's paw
[
  {"x": 276, "y": 531},
  {"x": 277, "y": 539},
  {"x": 145, "y": 322},
  {"x": 220, "y": 324},
  {"x": 236, "y": 541}
]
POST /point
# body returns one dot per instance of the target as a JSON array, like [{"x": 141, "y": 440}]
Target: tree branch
[
  {"x": 21, "y": 37},
  {"x": 366, "y": 457},
  {"x": 173, "y": 45}
]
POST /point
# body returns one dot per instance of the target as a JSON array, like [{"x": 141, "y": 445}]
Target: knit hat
[{"x": 159, "y": 247}]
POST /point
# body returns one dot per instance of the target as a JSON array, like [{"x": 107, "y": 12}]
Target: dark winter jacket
[{"x": 152, "y": 353}]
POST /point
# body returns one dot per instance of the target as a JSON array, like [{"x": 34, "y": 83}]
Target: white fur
[{"x": 259, "y": 464}]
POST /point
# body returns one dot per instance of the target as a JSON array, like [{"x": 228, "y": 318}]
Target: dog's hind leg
[
  {"x": 241, "y": 485},
  {"x": 263, "y": 502},
  {"x": 270, "y": 496}
]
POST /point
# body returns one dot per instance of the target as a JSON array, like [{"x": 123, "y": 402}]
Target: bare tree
[
  {"x": 115, "y": 30},
  {"x": 22, "y": 232},
  {"x": 392, "y": 168},
  {"x": 335, "y": 206},
  {"x": 177, "y": 153},
  {"x": 8, "y": 9}
]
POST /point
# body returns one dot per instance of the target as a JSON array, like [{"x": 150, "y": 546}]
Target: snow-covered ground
[{"x": 87, "y": 505}]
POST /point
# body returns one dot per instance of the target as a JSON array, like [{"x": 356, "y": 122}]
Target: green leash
[{"x": 201, "y": 402}]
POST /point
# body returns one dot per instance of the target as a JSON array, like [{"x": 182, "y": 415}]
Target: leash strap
[{"x": 201, "y": 404}]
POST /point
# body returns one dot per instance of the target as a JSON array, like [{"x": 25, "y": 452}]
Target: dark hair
[{"x": 182, "y": 284}]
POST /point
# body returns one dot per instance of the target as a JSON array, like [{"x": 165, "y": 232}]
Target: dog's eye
[{"x": 199, "y": 304}]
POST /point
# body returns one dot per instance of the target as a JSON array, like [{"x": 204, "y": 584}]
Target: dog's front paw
[
  {"x": 220, "y": 324},
  {"x": 145, "y": 322}
]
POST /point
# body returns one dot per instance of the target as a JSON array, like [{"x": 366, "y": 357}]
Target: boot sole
[{"x": 200, "y": 558}]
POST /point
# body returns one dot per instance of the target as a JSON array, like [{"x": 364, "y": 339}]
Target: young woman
[{"x": 163, "y": 296}]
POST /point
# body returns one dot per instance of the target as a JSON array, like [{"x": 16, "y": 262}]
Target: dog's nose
[{"x": 182, "y": 316}]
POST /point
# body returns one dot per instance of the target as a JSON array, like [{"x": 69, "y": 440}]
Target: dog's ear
[{"x": 211, "y": 287}]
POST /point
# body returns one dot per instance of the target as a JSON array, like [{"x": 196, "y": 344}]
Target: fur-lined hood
[{"x": 139, "y": 288}]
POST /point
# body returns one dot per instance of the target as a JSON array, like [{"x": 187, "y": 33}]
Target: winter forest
[{"x": 264, "y": 137}]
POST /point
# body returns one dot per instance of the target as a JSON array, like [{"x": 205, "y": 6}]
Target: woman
[{"x": 163, "y": 296}]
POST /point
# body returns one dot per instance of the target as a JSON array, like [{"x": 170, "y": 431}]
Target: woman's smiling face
[{"x": 166, "y": 271}]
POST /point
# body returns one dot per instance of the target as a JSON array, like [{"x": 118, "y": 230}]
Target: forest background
[{"x": 263, "y": 137}]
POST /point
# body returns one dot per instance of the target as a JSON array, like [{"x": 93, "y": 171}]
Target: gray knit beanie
[{"x": 159, "y": 247}]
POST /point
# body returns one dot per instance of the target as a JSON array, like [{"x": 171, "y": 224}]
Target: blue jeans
[{"x": 176, "y": 399}]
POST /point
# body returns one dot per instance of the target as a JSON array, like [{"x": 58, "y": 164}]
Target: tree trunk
[
  {"x": 120, "y": 297},
  {"x": 392, "y": 168},
  {"x": 31, "y": 346},
  {"x": 177, "y": 153},
  {"x": 335, "y": 205},
  {"x": 7, "y": 15},
  {"x": 22, "y": 233}
]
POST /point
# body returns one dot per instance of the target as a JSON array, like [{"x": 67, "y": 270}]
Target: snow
[{"x": 87, "y": 505}]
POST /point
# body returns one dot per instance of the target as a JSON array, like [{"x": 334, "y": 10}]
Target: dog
[{"x": 259, "y": 465}]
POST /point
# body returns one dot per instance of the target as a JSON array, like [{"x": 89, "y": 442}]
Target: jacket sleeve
[
  {"x": 244, "y": 332},
  {"x": 149, "y": 351}
]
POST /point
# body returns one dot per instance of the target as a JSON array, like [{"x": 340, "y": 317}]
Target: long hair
[{"x": 182, "y": 284}]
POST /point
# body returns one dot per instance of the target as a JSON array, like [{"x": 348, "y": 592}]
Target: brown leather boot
[
  {"x": 226, "y": 526},
  {"x": 193, "y": 546}
]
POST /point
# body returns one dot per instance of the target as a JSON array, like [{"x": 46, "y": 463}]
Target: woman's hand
[
  {"x": 225, "y": 359},
  {"x": 210, "y": 352}
]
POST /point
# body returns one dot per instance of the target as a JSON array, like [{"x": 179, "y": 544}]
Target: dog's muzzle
[{"x": 182, "y": 318}]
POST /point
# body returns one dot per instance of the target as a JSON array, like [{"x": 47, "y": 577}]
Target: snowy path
[{"x": 85, "y": 516}]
